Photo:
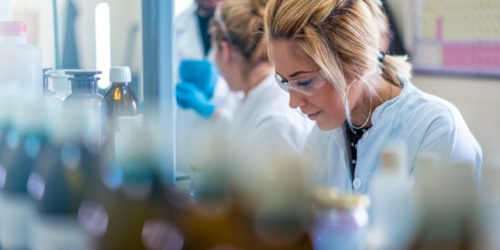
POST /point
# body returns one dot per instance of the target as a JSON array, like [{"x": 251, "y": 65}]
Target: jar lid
[
  {"x": 13, "y": 28},
  {"x": 330, "y": 198}
]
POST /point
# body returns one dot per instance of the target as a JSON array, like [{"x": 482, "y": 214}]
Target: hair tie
[{"x": 381, "y": 56}]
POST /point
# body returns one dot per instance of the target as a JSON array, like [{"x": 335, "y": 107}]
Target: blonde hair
[
  {"x": 342, "y": 36},
  {"x": 240, "y": 22}
]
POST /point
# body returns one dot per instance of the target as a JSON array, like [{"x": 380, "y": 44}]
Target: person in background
[
  {"x": 194, "y": 59},
  {"x": 262, "y": 118},
  {"x": 327, "y": 57}
]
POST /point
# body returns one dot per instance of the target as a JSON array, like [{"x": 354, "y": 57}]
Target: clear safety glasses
[
  {"x": 218, "y": 19},
  {"x": 308, "y": 86}
]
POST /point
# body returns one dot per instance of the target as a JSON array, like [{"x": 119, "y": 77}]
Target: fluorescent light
[{"x": 103, "y": 43}]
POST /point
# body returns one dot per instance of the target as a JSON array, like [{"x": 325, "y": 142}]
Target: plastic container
[
  {"x": 20, "y": 62},
  {"x": 341, "y": 220}
]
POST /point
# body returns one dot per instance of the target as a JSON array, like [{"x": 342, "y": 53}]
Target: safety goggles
[{"x": 307, "y": 86}]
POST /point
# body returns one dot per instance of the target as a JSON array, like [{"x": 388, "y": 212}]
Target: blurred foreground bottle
[
  {"x": 489, "y": 207},
  {"x": 65, "y": 171},
  {"x": 246, "y": 203},
  {"x": 118, "y": 101},
  {"x": 20, "y": 62},
  {"x": 129, "y": 209},
  {"x": 392, "y": 208},
  {"x": 24, "y": 141},
  {"x": 341, "y": 220},
  {"x": 447, "y": 202}
]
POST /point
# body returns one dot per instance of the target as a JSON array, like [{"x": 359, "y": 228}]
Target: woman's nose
[{"x": 296, "y": 100}]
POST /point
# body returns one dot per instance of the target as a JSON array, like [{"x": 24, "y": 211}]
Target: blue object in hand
[
  {"x": 202, "y": 73},
  {"x": 189, "y": 96}
]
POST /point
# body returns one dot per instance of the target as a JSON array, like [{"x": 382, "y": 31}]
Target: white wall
[
  {"x": 42, "y": 27},
  {"x": 477, "y": 98}
]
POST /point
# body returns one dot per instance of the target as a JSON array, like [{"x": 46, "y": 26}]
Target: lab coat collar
[{"x": 389, "y": 107}]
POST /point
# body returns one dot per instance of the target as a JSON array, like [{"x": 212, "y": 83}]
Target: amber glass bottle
[{"x": 118, "y": 101}]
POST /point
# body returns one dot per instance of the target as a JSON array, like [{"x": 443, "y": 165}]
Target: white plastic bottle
[
  {"x": 391, "y": 196},
  {"x": 20, "y": 62}
]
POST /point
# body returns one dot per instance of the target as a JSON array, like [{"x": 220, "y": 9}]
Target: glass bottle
[
  {"x": 84, "y": 95},
  {"x": 118, "y": 101},
  {"x": 341, "y": 220}
]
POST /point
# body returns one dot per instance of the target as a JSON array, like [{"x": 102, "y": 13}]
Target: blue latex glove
[
  {"x": 189, "y": 96},
  {"x": 202, "y": 73}
]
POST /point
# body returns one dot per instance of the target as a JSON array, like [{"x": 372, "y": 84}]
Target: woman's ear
[{"x": 226, "y": 51}]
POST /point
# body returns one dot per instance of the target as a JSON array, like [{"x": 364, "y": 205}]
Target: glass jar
[{"x": 341, "y": 220}]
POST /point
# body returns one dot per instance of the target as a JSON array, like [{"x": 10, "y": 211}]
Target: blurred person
[
  {"x": 327, "y": 57},
  {"x": 194, "y": 59},
  {"x": 262, "y": 118}
]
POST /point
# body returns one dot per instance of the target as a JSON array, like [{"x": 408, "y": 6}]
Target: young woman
[
  {"x": 327, "y": 57},
  {"x": 263, "y": 118}
]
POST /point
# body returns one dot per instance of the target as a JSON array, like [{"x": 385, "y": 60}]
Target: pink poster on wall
[{"x": 457, "y": 36}]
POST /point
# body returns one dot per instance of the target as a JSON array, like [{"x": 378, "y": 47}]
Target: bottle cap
[
  {"x": 13, "y": 28},
  {"x": 120, "y": 74}
]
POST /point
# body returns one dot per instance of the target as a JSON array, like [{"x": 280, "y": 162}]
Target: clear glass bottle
[
  {"x": 342, "y": 220},
  {"x": 118, "y": 101}
]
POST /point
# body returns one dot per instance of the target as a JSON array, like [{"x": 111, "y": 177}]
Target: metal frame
[{"x": 159, "y": 75}]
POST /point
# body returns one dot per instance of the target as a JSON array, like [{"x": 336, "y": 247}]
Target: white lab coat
[
  {"x": 190, "y": 126},
  {"x": 264, "y": 120},
  {"x": 425, "y": 123}
]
